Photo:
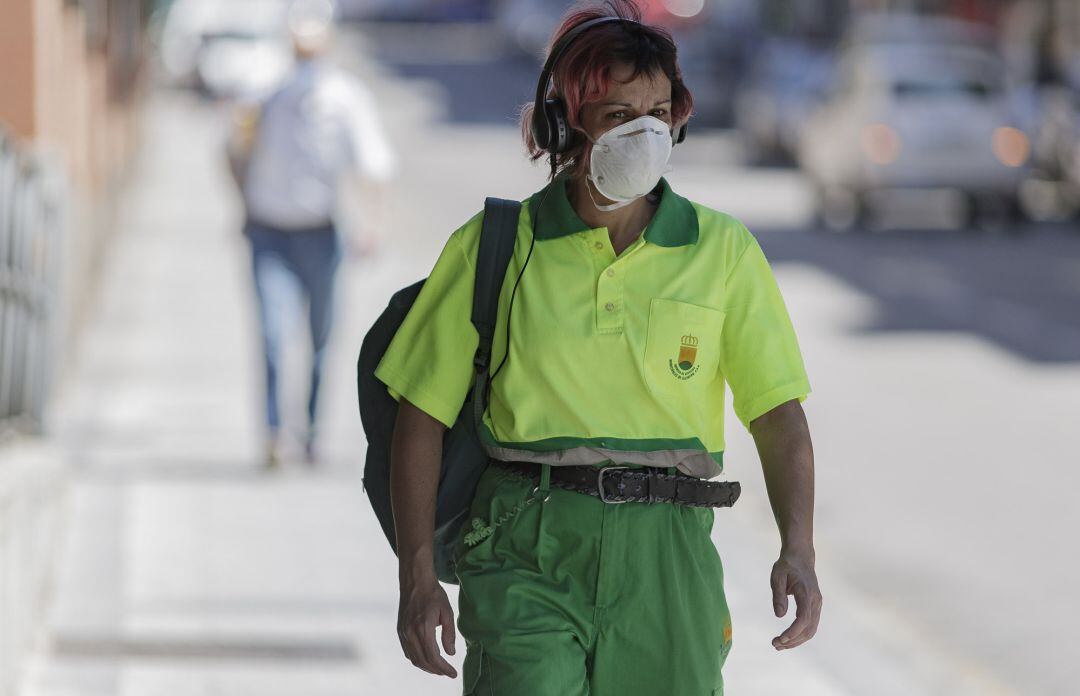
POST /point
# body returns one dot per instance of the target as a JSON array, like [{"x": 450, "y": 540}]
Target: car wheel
[
  {"x": 839, "y": 209},
  {"x": 996, "y": 214}
]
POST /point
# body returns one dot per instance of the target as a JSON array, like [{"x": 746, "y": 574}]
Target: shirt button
[
  {"x": 610, "y": 306},
  {"x": 610, "y": 273},
  {"x": 599, "y": 245}
]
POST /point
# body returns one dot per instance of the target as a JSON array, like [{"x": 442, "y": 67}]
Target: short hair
[
  {"x": 583, "y": 72},
  {"x": 307, "y": 18}
]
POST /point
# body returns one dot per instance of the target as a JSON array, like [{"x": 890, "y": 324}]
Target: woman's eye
[
  {"x": 617, "y": 115},
  {"x": 659, "y": 112}
]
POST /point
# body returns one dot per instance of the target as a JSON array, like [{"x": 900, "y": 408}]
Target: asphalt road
[{"x": 1021, "y": 293}]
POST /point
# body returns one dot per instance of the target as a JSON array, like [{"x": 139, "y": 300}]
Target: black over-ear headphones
[{"x": 550, "y": 129}]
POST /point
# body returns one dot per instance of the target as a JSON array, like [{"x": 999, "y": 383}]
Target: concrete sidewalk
[{"x": 187, "y": 570}]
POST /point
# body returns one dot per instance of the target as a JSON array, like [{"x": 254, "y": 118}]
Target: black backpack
[{"x": 463, "y": 457}]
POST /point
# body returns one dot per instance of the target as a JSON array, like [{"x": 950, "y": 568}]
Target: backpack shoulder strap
[{"x": 497, "y": 237}]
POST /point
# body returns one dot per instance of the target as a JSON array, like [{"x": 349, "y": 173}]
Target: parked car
[
  {"x": 877, "y": 28},
  {"x": 785, "y": 84},
  {"x": 527, "y": 24},
  {"x": 226, "y": 49},
  {"x": 915, "y": 115},
  {"x": 1054, "y": 186}
]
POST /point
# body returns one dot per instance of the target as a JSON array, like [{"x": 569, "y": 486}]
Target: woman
[{"x": 626, "y": 313}]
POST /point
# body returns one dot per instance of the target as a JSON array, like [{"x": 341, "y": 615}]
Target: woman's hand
[
  {"x": 423, "y": 606},
  {"x": 415, "y": 459},
  {"x": 793, "y": 574}
]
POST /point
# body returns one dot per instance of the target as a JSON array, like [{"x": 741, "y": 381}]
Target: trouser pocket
[
  {"x": 501, "y": 497},
  {"x": 472, "y": 667}
]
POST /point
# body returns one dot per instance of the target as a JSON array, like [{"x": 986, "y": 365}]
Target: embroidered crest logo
[{"x": 686, "y": 366}]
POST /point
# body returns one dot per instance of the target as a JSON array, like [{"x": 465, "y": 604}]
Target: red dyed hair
[{"x": 583, "y": 72}]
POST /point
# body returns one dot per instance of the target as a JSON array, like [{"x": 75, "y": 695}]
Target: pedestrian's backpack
[{"x": 463, "y": 457}]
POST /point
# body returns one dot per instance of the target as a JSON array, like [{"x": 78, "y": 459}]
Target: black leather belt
[{"x": 620, "y": 484}]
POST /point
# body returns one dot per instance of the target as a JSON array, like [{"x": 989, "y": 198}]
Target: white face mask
[{"x": 627, "y": 161}]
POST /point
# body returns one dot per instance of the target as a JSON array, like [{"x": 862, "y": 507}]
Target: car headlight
[
  {"x": 684, "y": 8},
  {"x": 1011, "y": 146},
  {"x": 880, "y": 143}
]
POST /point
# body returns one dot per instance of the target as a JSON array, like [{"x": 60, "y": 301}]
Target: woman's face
[{"x": 646, "y": 95}]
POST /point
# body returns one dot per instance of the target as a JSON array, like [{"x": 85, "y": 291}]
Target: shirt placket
[{"x": 610, "y": 285}]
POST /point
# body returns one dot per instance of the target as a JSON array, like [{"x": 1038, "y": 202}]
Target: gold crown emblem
[{"x": 689, "y": 340}]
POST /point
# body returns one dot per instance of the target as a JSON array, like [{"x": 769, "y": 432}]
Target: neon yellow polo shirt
[{"x": 623, "y": 359}]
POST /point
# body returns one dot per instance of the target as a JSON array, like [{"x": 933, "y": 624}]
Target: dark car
[{"x": 785, "y": 84}]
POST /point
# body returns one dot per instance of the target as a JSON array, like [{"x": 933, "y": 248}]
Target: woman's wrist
[
  {"x": 799, "y": 550},
  {"x": 417, "y": 568}
]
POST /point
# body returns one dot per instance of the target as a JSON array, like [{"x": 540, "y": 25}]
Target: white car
[
  {"x": 227, "y": 48},
  {"x": 905, "y": 117},
  {"x": 238, "y": 64}
]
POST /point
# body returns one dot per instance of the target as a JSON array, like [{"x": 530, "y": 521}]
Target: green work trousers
[{"x": 573, "y": 596}]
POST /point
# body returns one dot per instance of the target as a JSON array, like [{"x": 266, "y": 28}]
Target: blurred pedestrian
[
  {"x": 293, "y": 154},
  {"x": 627, "y": 313}
]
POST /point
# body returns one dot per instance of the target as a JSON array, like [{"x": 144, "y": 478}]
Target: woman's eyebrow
[{"x": 630, "y": 106}]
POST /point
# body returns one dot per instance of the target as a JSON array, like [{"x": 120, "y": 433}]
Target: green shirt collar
[{"x": 674, "y": 224}]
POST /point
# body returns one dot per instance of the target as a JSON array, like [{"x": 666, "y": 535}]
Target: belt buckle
[{"x": 600, "y": 484}]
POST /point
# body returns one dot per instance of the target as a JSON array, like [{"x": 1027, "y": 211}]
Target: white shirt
[{"x": 320, "y": 124}]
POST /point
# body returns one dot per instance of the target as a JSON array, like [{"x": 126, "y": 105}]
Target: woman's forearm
[
  {"x": 415, "y": 464},
  {"x": 787, "y": 460},
  {"x": 783, "y": 442}
]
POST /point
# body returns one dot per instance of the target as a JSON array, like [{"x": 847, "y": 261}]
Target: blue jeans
[{"x": 285, "y": 262}]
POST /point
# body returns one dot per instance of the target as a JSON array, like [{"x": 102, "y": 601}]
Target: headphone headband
[{"x": 560, "y": 47}]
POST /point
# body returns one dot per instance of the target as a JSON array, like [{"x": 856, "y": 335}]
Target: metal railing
[
  {"x": 31, "y": 209},
  {"x": 32, "y": 202}
]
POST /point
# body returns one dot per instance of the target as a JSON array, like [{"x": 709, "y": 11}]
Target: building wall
[
  {"x": 67, "y": 129},
  {"x": 68, "y": 90},
  {"x": 60, "y": 77},
  {"x": 18, "y": 107}
]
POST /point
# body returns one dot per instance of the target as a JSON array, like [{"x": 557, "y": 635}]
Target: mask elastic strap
[{"x": 605, "y": 208}]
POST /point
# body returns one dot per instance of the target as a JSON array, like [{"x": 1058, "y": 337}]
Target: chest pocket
[{"x": 682, "y": 349}]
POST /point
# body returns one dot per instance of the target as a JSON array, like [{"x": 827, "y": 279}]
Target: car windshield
[
  {"x": 232, "y": 19},
  {"x": 232, "y": 35},
  {"x": 932, "y": 71},
  {"x": 806, "y": 74},
  {"x": 942, "y": 87}
]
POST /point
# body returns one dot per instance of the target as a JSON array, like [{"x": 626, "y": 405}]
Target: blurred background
[{"x": 911, "y": 168}]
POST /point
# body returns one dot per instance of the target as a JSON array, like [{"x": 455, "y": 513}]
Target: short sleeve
[
  {"x": 429, "y": 360},
  {"x": 371, "y": 151},
  {"x": 760, "y": 357}
]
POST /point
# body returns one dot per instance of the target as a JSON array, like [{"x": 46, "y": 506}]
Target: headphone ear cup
[
  {"x": 558, "y": 127},
  {"x": 541, "y": 129}
]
